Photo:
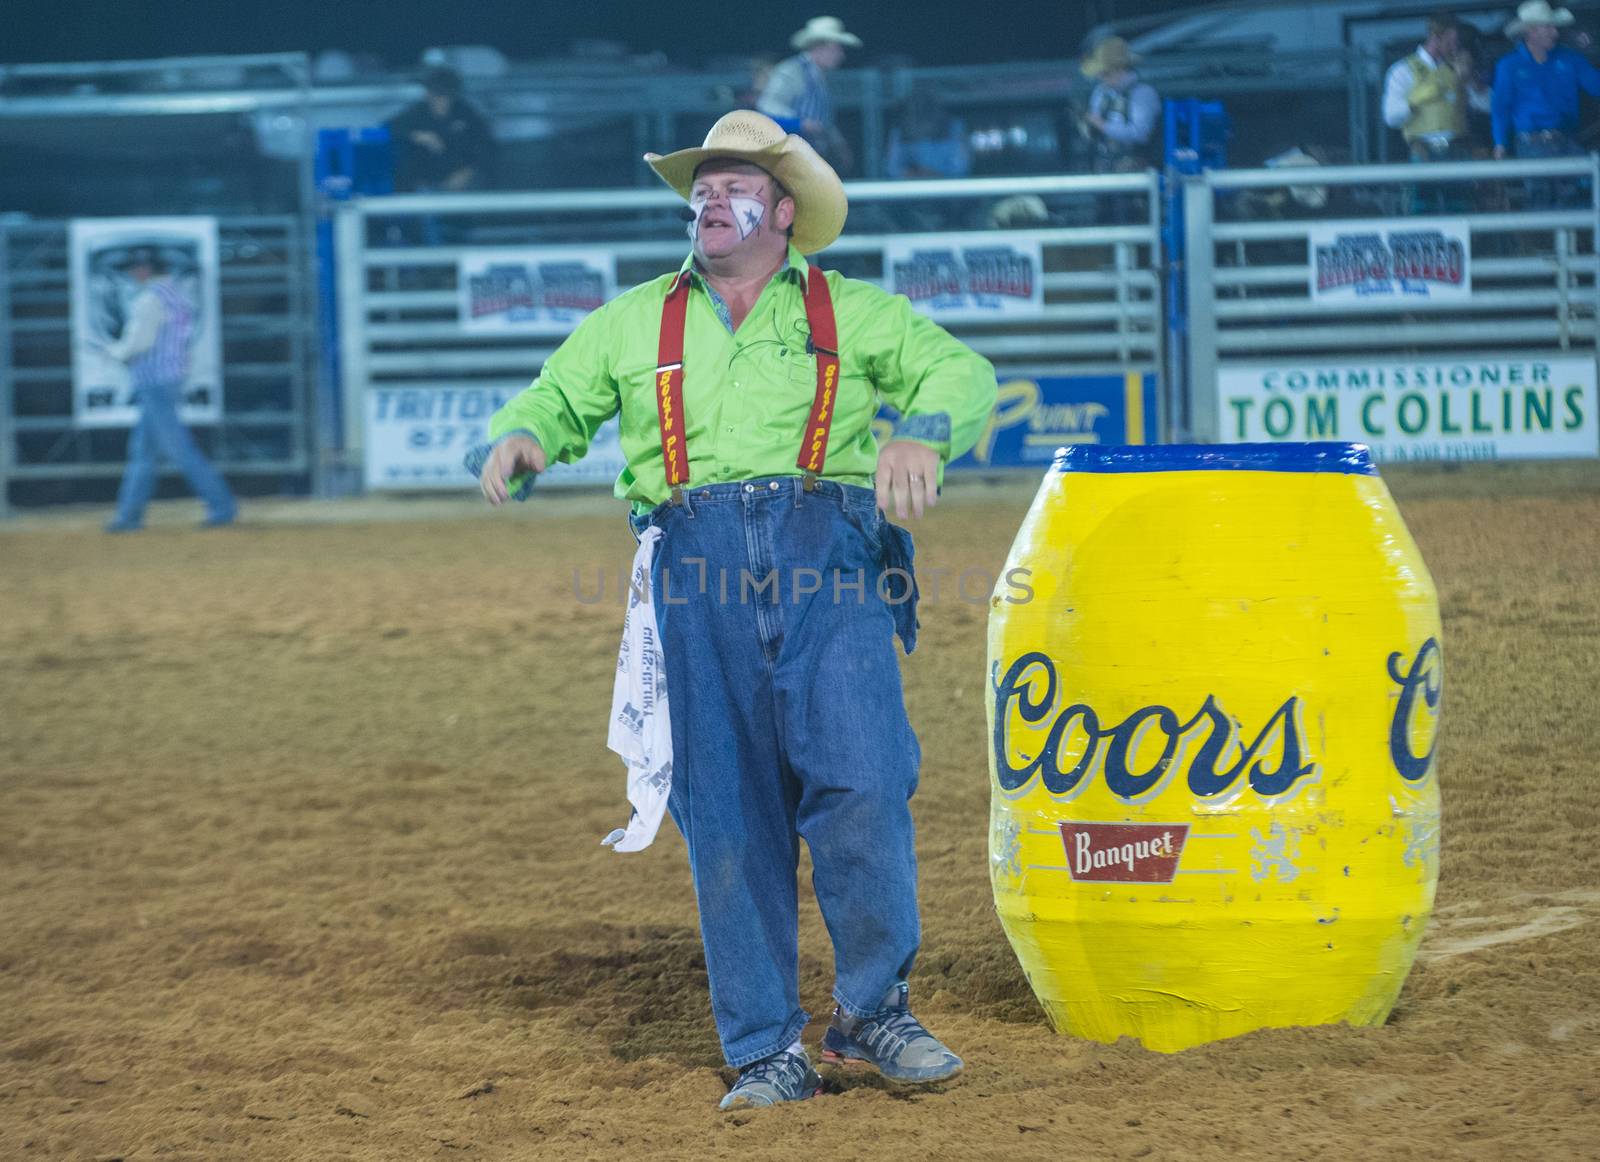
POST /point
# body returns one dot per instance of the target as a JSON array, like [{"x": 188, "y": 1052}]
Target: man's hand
[
  {"x": 512, "y": 456},
  {"x": 908, "y": 473},
  {"x": 429, "y": 140}
]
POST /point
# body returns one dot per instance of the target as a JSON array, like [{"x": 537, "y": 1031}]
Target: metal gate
[
  {"x": 399, "y": 322},
  {"x": 268, "y": 325},
  {"x": 1249, "y": 263}
]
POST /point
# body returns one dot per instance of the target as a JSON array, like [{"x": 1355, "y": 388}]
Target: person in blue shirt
[{"x": 1535, "y": 103}]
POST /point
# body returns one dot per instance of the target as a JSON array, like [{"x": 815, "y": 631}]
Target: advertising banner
[
  {"x": 522, "y": 291},
  {"x": 1034, "y": 417},
  {"x": 146, "y": 312},
  {"x": 952, "y": 278},
  {"x": 1366, "y": 264},
  {"x": 418, "y": 436},
  {"x": 1470, "y": 408}
]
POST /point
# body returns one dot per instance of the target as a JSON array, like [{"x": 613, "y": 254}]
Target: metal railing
[
  {"x": 268, "y": 322},
  {"x": 398, "y": 299},
  {"x": 1248, "y": 265}
]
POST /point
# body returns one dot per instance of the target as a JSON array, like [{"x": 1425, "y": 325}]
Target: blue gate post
[
  {"x": 349, "y": 162},
  {"x": 1197, "y": 135}
]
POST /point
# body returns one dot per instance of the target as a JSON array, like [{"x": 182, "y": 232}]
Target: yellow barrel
[{"x": 1215, "y": 680}]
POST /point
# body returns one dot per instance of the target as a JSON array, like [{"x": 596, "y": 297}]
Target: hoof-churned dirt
[{"x": 300, "y": 860}]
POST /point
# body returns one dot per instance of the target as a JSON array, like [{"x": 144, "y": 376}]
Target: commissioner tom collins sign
[{"x": 1478, "y": 408}]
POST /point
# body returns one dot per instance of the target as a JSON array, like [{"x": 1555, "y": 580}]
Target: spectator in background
[
  {"x": 1535, "y": 106},
  {"x": 796, "y": 95},
  {"x": 155, "y": 347},
  {"x": 1123, "y": 110},
  {"x": 927, "y": 142},
  {"x": 442, "y": 142},
  {"x": 1426, "y": 94}
]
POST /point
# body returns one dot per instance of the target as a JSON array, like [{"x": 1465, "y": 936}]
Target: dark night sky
[{"x": 929, "y": 31}]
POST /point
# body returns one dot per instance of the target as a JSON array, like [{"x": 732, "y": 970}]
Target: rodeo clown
[{"x": 747, "y": 382}]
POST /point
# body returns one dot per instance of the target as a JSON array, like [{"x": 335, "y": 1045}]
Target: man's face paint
[{"x": 745, "y": 213}]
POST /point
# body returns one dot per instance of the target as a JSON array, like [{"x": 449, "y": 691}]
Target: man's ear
[{"x": 783, "y": 213}]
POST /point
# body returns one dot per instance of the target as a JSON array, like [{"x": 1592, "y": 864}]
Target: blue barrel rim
[{"x": 1318, "y": 456}]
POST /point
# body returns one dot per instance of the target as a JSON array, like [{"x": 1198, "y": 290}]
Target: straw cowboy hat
[
  {"x": 1111, "y": 55},
  {"x": 745, "y": 135},
  {"x": 1538, "y": 12},
  {"x": 821, "y": 30}
]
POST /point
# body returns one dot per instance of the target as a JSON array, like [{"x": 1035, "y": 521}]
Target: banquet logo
[
  {"x": 1076, "y": 733},
  {"x": 1123, "y": 853}
]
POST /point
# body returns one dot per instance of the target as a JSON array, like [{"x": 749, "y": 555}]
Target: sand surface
[{"x": 300, "y": 861}]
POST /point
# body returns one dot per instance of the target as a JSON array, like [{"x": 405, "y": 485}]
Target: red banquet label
[{"x": 1123, "y": 853}]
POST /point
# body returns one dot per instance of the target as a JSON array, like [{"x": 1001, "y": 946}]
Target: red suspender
[
  {"x": 825, "y": 339},
  {"x": 669, "y": 383},
  {"x": 669, "y": 378}
]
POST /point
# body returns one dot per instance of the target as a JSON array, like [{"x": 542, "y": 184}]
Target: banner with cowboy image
[
  {"x": 146, "y": 311},
  {"x": 954, "y": 278},
  {"x": 523, "y": 291},
  {"x": 1380, "y": 263}
]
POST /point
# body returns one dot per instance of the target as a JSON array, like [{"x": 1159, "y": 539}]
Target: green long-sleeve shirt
[{"x": 747, "y": 393}]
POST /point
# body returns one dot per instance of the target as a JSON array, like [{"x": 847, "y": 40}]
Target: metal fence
[
  {"x": 1248, "y": 266},
  {"x": 268, "y": 324},
  {"x": 398, "y": 296}
]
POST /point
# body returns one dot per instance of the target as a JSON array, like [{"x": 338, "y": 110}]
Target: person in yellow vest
[{"x": 1426, "y": 94}]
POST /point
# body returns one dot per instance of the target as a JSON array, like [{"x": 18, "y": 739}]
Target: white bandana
[{"x": 747, "y": 214}]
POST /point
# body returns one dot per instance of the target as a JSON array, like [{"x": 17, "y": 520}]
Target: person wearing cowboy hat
[
  {"x": 771, "y": 586},
  {"x": 796, "y": 94},
  {"x": 155, "y": 347},
  {"x": 1123, "y": 110},
  {"x": 1534, "y": 108}
]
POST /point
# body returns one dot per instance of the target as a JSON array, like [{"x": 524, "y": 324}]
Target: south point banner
[
  {"x": 117, "y": 262},
  {"x": 545, "y": 291},
  {"x": 1488, "y": 408},
  {"x": 1034, "y": 417},
  {"x": 950, "y": 278},
  {"x": 1380, "y": 264},
  {"x": 418, "y": 436}
]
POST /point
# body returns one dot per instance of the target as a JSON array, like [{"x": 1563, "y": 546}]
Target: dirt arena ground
[{"x": 300, "y": 860}]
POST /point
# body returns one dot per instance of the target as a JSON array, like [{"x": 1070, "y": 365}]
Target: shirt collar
[{"x": 1427, "y": 57}]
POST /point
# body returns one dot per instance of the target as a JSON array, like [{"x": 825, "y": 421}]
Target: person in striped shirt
[{"x": 155, "y": 347}]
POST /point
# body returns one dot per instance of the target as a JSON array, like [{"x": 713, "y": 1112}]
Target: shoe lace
[
  {"x": 889, "y": 1033},
  {"x": 778, "y": 1070}
]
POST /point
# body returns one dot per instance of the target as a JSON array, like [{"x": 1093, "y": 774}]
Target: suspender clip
[
  {"x": 677, "y": 494},
  {"x": 808, "y": 481}
]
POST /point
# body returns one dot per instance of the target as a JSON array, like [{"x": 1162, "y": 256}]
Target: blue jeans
[
  {"x": 778, "y": 609},
  {"x": 159, "y": 431},
  {"x": 1550, "y": 193}
]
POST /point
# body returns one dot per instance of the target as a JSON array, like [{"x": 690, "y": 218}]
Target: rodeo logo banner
[
  {"x": 536, "y": 292},
  {"x": 115, "y": 260},
  {"x": 950, "y": 279},
  {"x": 1371, "y": 263}
]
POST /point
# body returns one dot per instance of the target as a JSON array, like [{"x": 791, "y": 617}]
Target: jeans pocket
[{"x": 899, "y": 581}]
